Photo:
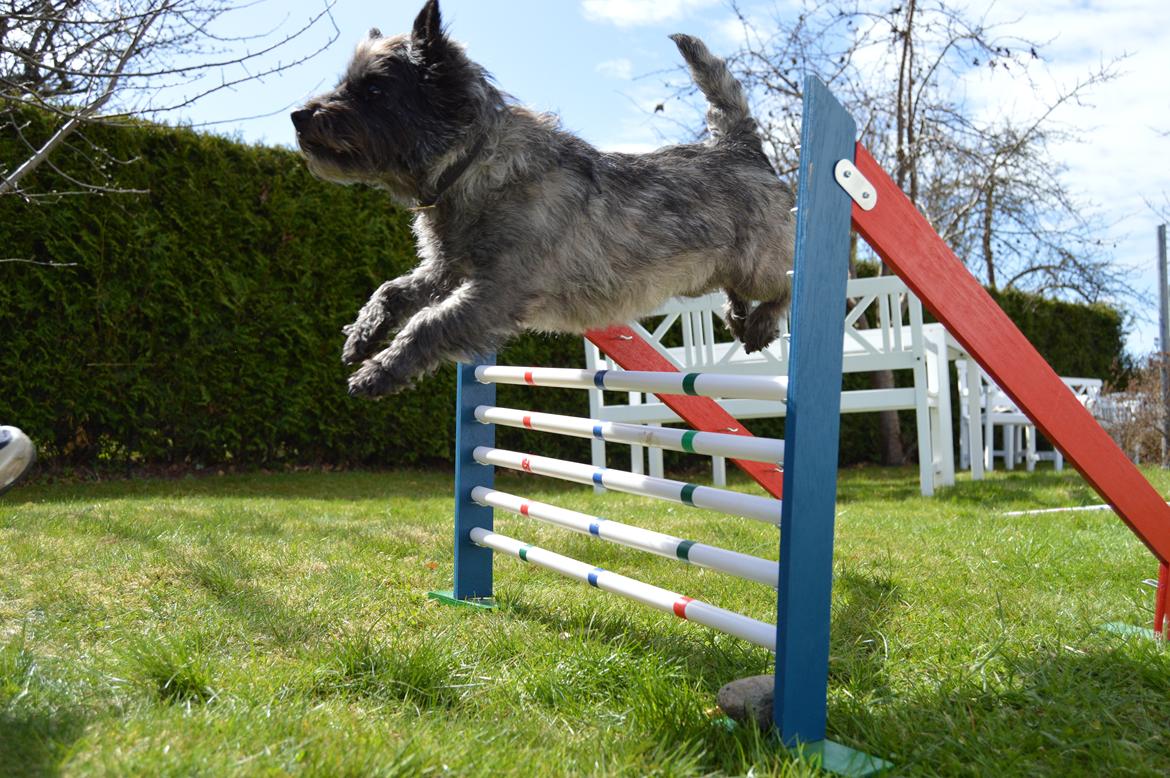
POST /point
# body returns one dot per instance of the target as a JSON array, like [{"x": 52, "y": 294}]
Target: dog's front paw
[
  {"x": 735, "y": 324},
  {"x": 758, "y": 334},
  {"x": 361, "y": 339},
  {"x": 374, "y": 380},
  {"x": 356, "y": 346}
]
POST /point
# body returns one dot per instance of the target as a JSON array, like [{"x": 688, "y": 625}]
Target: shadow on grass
[
  {"x": 1042, "y": 488},
  {"x": 857, "y": 654},
  {"x": 38, "y": 723},
  {"x": 345, "y": 486},
  {"x": 222, "y": 575},
  {"x": 1054, "y": 711},
  {"x": 858, "y": 649},
  {"x": 714, "y": 662},
  {"x": 34, "y": 742},
  {"x": 339, "y": 485},
  {"x": 427, "y": 675}
]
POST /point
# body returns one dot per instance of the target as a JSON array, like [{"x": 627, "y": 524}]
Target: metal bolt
[
  {"x": 865, "y": 195},
  {"x": 846, "y": 174}
]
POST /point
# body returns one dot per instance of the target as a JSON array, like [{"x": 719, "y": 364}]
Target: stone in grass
[{"x": 748, "y": 699}]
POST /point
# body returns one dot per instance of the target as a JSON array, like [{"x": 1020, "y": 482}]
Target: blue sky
[
  {"x": 593, "y": 62},
  {"x": 586, "y": 61}
]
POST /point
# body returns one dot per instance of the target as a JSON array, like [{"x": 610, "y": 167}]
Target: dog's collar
[{"x": 452, "y": 174}]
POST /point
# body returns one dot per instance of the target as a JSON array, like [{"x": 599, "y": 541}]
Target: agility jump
[{"x": 839, "y": 186}]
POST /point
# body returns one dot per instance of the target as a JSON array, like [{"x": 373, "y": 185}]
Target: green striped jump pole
[
  {"x": 749, "y": 629},
  {"x": 743, "y": 387},
  {"x": 741, "y": 565},
  {"x": 765, "y": 509},
  {"x": 715, "y": 444}
]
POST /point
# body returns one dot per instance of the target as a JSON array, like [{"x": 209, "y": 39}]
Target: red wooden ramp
[
  {"x": 909, "y": 245},
  {"x": 631, "y": 352}
]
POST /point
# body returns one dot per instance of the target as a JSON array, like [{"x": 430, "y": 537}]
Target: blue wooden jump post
[
  {"x": 473, "y": 564},
  {"x": 800, "y": 638},
  {"x": 811, "y": 433}
]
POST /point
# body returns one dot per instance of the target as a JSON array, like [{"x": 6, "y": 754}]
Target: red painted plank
[
  {"x": 909, "y": 245},
  {"x": 631, "y": 352}
]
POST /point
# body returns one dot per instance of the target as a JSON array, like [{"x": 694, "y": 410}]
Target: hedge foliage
[
  {"x": 1076, "y": 339},
  {"x": 200, "y": 323}
]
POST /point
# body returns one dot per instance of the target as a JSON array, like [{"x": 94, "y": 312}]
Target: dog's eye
[{"x": 373, "y": 90}]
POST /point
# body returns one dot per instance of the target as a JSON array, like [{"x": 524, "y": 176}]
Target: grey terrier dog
[{"x": 521, "y": 225}]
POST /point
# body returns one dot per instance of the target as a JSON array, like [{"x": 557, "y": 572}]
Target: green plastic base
[
  {"x": 1129, "y": 630},
  {"x": 832, "y": 757},
  {"x": 828, "y": 755},
  {"x": 448, "y": 596}
]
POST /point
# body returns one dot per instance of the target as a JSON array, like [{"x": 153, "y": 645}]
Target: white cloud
[
  {"x": 634, "y": 13},
  {"x": 1116, "y": 165},
  {"x": 641, "y": 128},
  {"x": 616, "y": 68}
]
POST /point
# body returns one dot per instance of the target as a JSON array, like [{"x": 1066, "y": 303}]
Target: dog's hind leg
[
  {"x": 763, "y": 323},
  {"x": 474, "y": 320},
  {"x": 391, "y": 305},
  {"x": 735, "y": 312}
]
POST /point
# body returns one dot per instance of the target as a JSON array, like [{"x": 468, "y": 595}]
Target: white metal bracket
[{"x": 855, "y": 184}]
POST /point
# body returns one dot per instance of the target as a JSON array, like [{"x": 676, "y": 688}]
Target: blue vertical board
[
  {"x": 473, "y": 564},
  {"x": 828, "y": 134}
]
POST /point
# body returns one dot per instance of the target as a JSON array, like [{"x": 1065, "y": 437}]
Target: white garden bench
[
  {"x": 900, "y": 341},
  {"x": 1018, "y": 433}
]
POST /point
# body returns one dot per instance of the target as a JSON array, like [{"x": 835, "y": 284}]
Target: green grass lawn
[{"x": 278, "y": 624}]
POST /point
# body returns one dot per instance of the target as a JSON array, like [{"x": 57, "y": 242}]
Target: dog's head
[{"x": 403, "y": 103}]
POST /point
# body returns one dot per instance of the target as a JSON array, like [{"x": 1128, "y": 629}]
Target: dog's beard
[
  {"x": 346, "y": 167},
  {"x": 329, "y": 168}
]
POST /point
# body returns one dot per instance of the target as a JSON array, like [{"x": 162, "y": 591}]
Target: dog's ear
[{"x": 427, "y": 35}]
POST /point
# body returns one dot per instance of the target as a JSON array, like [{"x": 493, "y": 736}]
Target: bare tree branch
[
  {"x": 987, "y": 181},
  {"x": 91, "y": 61},
  {"x": 12, "y": 181}
]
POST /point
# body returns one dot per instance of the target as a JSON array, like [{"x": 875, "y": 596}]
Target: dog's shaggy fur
[{"x": 521, "y": 225}]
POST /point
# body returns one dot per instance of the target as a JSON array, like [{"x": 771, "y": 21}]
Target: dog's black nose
[{"x": 300, "y": 119}]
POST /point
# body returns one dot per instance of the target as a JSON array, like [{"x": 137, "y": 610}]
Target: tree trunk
[
  {"x": 986, "y": 228},
  {"x": 890, "y": 450}
]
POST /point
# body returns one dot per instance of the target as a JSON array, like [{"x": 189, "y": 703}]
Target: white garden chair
[{"x": 1017, "y": 433}]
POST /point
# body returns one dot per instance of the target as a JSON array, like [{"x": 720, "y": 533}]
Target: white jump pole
[
  {"x": 715, "y": 444},
  {"x": 751, "y": 506},
  {"x": 744, "y": 566},
  {"x": 745, "y": 387},
  {"x": 749, "y": 629}
]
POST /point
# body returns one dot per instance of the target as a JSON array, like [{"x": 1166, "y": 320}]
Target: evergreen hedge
[{"x": 200, "y": 324}]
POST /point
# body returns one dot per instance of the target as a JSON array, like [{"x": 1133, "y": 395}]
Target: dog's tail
[{"x": 728, "y": 115}]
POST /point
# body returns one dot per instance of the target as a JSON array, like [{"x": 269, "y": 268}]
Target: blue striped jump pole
[
  {"x": 741, "y": 565},
  {"x": 714, "y": 444},
  {"x": 744, "y": 387},
  {"x": 730, "y": 622},
  {"x": 765, "y": 509}
]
